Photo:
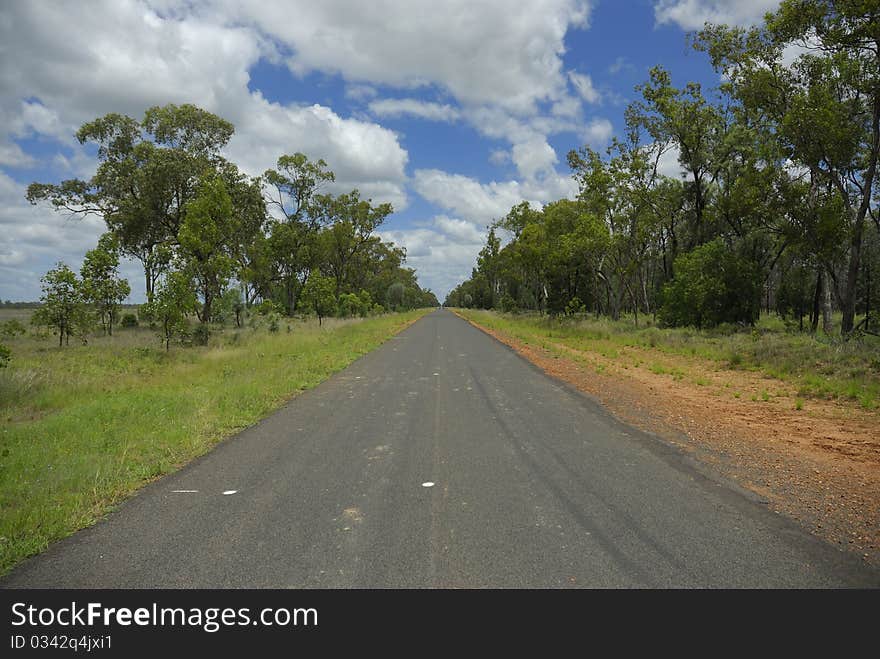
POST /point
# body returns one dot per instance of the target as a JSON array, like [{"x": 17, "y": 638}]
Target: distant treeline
[
  {"x": 776, "y": 207},
  {"x": 210, "y": 238},
  {"x": 9, "y": 304}
]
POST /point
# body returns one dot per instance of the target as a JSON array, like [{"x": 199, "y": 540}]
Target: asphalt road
[{"x": 534, "y": 485}]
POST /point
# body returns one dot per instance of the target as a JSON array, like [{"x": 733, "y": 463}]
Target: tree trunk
[
  {"x": 817, "y": 296},
  {"x": 827, "y": 321}
]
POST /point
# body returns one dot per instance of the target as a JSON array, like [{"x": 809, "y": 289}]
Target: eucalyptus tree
[
  {"x": 824, "y": 106},
  {"x": 148, "y": 171},
  {"x": 101, "y": 284}
]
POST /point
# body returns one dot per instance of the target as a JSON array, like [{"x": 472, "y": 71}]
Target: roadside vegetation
[
  {"x": 717, "y": 208},
  {"x": 85, "y": 426},
  {"x": 816, "y": 366}
]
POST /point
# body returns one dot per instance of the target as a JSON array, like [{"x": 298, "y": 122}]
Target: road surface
[{"x": 442, "y": 459}]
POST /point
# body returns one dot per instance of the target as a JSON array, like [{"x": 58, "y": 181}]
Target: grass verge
[
  {"x": 83, "y": 427},
  {"x": 826, "y": 367}
]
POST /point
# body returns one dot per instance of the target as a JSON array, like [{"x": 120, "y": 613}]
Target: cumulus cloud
[
  {"x": 34, "y": 239},
  {"x": 125, "y": 57},
  {"x": 481, "y": 203},
  {"x": 502, "y": 65},
  {"x": 694, "y": 14},
  {"x": 598, "y": 132},
  {"x": 480, "y": 52}
]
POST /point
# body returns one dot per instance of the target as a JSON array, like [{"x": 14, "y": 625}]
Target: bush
[
  {"x": 201, "y": 334},
  {"x": 712, "y": 285},
  {"x": 12, "y": 328},
  {"x": 349, "y": 305},
  {"x": 507, "y": 303},
  {"x": 5, "y": 356},
  {"x": 129, "y": 320},
  {"x": 273, "y": 319},
  {"x": 574, "y": 306},
  {"x": 267, "y": 307}
]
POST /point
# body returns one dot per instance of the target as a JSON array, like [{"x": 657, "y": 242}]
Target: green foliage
[
  {"x": 5, "y": 355},
  {"x": 62, "y": 307},
  {"x": 230, "y": 305},
  {"x": 128, "y": 321},
  {"x": 201, "y": 334},
  {"x": 712, "y": 286},
  {"x": 319, "y": 295},
  {"x": 350, "y": 305},
  {"x": 172, "y": 301},
  {"x": 395, "y": 296},
  {"x": 12, "y": 328},
  {"x": 204, "y": 240},
  {"x": 101, "y": 285}
]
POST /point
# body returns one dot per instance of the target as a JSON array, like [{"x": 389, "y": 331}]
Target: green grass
[
  {"x": 818, "y": 366},
  {"x": 83, "y": 427}
]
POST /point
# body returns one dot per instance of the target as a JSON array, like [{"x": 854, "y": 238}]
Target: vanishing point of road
[{"x": 442, "y": 459}]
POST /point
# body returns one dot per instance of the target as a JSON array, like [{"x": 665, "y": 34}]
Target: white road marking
[
  {"x": 184, "y": 491},
  {"x": 428, "y": 484},
  {"x": 230, "y": 491}
]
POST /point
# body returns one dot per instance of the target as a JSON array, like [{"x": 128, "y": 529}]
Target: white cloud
[
  {"x": 694, "y": 14},
  {"x": 124, "y": 57},
  {"x": 34, "y": 238},
  {"x": 499, "y": 156},
  {"x": 481, "y": 52},
  {"x": 442, "y": 251},
  {"x": 396, "y": 107},
  {"x": 584, "y": 86},
  {"x": 534, "y": 157},
  {"x": 668, "y": 164},
  {"x": 620, "y": 64},
  {"x": 481, "y": 203},
  {"x": 598, "y": 132},
  {"x": 358, "y": 92}
]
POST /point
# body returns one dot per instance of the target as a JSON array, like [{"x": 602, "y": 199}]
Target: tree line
[
  {"x": 776, "y": 206},
  {"x": 213, "y": 241}
]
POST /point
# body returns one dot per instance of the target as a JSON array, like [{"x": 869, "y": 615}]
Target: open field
[
  {"x": 85, "y": 426},
  {"x": 745, "y": 403}
]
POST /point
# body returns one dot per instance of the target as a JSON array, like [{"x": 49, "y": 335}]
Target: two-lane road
[{"x": 534, "y": 485}]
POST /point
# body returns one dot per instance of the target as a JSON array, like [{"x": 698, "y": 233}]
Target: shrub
[
  {"x": 574, "y": 306},
  {"x": 712, "y": 285},
  {"x": 129, "y": 320},
  {"x": 201, "y": 334},
  {"x": 507, "y": 303},
  {"x": 272, "y": 320},
  {"x": 12, "y": 328},
  {"x": 267, "y": 307},
  {"x": 5, "y": 356}
]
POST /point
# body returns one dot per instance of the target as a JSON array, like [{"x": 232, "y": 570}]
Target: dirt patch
[{"x": 816, "y": 461}]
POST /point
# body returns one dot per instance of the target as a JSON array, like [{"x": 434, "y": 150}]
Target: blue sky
[{"x": 452, "y": 111}]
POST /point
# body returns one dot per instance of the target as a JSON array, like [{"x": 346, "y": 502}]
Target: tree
[
  {"x": 204, "y": 240},
  {"x": 174, "y": 298},
  {"x": 148, "y": 172},
  {"x": 292, "y": 190},
  {"x": 62, "y": 302},
  {"x": 231, "y": 302},
  {"x": 824, "y": 108},
  {"x": 319, "y": 296},
  {"x": 101, "y": 284},
  {"x": 352, "y": 221},
  {"x": 712, "y": 285}
]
